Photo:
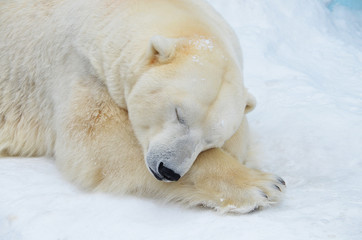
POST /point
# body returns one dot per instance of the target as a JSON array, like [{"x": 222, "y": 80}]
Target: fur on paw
[{"x": 241, "y": 193}]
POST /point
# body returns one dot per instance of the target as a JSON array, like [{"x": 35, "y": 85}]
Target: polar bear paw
[
  {"x": 241, "y": 193},
  {"x": 262, "y": 194}
]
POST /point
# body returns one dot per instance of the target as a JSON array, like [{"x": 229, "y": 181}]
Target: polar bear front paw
[
  {"x": 249, "y": 196},
  {"x": 241, "y": 194},
  {"x": 219, "y": 181}
]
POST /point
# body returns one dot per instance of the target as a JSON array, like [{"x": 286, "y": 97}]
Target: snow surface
[{"x": 303, "y": 62}]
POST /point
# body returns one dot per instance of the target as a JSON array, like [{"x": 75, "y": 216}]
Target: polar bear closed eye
[{"x": 125, "y": 93}]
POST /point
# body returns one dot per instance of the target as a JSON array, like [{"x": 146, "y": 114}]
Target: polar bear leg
[
  {"x": 243, "y": 147},
  {"x": 95, "y": 145},
  {"x": 238, "y": 144},
  {"x": 222, "y": 182}
]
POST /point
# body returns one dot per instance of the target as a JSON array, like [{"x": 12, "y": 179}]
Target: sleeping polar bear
[{"x": 140, "y": 97}]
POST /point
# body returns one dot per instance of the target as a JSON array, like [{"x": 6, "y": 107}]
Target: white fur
[{"x": 80, "y": 78}]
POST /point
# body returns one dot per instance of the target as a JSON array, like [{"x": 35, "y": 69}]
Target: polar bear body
[
  {"x": 47, "y": 45},
  {"x": 104, "y": 85}
]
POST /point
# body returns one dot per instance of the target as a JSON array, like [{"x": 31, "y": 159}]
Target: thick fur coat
[{"x": 131, "y": 96}]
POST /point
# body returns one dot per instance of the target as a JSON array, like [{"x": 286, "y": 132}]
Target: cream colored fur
[{"x": 104, "y": 85}]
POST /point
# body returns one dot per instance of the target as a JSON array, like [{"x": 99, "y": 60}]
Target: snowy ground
[{"x": 303, "y": 62}]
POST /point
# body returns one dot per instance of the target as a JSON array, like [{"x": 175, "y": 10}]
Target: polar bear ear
[
  {"x": 250, "y": 103},
  {"x": 162, "y": 49}
]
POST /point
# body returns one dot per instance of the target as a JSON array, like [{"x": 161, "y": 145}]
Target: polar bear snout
[
  {"x": 159, "y": 169},
  {"x": 170, "y": 162}
]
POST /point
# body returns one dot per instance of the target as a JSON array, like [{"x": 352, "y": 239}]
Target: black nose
[{"x": 167, "y": 173}]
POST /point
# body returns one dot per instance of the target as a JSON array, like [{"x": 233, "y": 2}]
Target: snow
[{"x": 303, "y": 62}]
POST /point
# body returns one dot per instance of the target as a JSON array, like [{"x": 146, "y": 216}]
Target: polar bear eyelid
[{"x": 179, "y": 118}]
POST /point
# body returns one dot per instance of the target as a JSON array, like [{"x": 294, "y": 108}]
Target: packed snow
[{"x": 303, "y": 62}]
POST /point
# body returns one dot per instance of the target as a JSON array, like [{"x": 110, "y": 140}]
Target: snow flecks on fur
[{"x": 202, "y": 43}]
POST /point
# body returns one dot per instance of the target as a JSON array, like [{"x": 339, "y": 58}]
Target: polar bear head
[{"x": 189, "y": 99}]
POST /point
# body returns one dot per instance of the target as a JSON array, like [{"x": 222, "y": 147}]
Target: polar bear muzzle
[{"x": 170, "y": 162}]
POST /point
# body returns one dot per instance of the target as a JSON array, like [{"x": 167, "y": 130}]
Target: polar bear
[{"x": 138, "y": 97}]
